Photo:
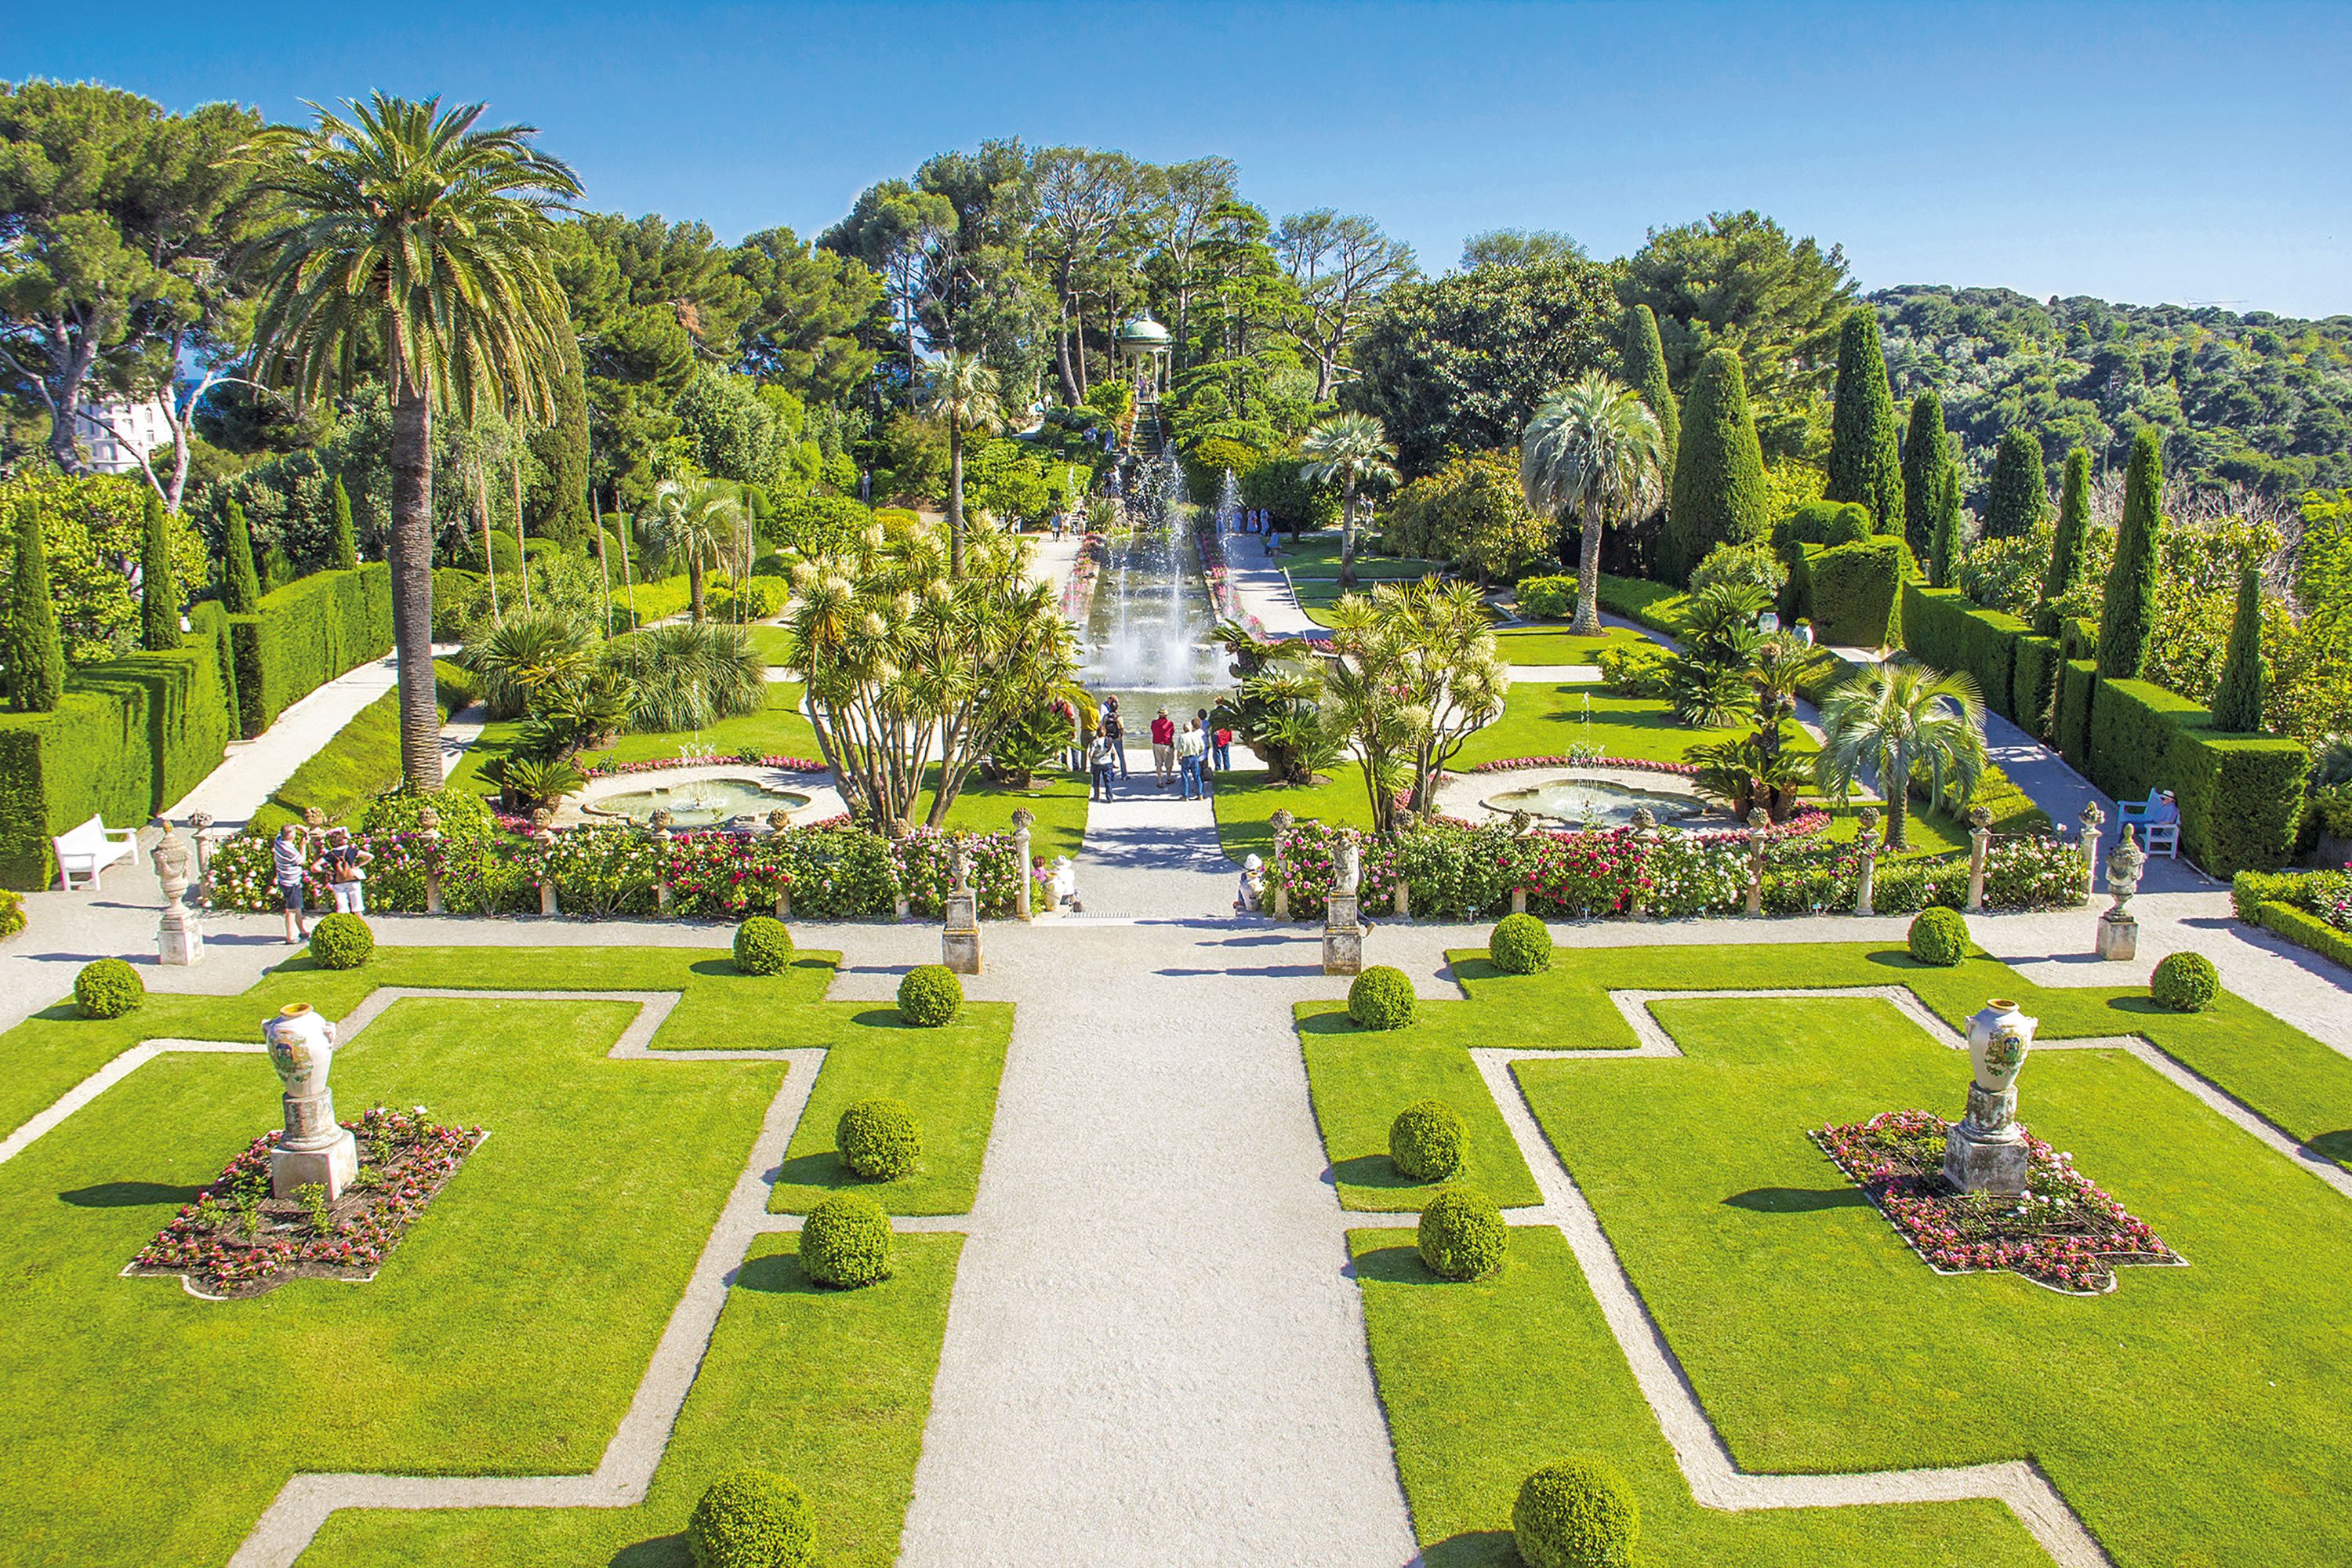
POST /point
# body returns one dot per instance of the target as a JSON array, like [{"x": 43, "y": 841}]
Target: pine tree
[
  {"x": 159, "y": 587},
  {"x": 37, "y": 654},
  {"x": 1946, "y": 539},
  {"x": 2127, "y": 614},
  {"x": 1927, "y": 453},
  {"x": 2066, "y": 553},
  {"x": 347, "y": 540},
  {"x": 2245, "y": 677},
  {"x": 1718, "y": 495},
  {"x": 2020, "y": 493},
  {"x": 1865, "y": 464},
  {"x": 240, "y": 586},
  {"x": 1645, "y": 373}
]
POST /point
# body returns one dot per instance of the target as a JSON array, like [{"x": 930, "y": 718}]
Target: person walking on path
[
  {"x": 1102, "y": 760},
  {"x": 1116, "y": 730},
  {"x": 1208, "y": 745},
  {"x": 1163, "y": 747},
  {"x": 344, "y": 867},
  {"x": 1188, "y": 761},
  {"x": 287, "y": 856},
  {"x": 1222, "y": 748}
]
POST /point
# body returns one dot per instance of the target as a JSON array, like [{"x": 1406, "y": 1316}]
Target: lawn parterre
[
  {"x": 510, "y": 1330},
  {"x": 1815, "y": 1340}
]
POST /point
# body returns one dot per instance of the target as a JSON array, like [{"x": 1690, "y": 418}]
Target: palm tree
[
  {"x": 962, "y": 392},
  {"x": 1895, "y": 719},
  {"x": 404, "y": 235},
  {"x": 1351, "y": 448},
  {"x": 690, "y": 522},
  {"x": 1593, "y": 450}
]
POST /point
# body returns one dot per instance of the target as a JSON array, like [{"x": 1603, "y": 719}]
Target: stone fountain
[
  {"x": 1984, "y": 1152},
  {"x": 314, "y": 1147}
]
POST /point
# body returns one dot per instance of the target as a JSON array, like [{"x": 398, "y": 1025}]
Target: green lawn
[
  {"x": 509, "y": 1331},
  {"x": 769, "y": 640},
  {"x": 1816, "y": 1340},
  {"x": 1057, "y": 799},
  {"x": 1361, "y": 1078}
]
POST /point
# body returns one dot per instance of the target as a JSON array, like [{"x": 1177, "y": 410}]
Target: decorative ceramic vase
[
  {"x": 1999, "y": 1037},
  {"x": 302, "y": 1048}
]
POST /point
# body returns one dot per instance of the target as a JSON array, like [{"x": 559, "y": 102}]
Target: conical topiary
[
  {"x": 1927, "y": 453},
  {"x": 1865, "y": 464},
  {"x": 1645, "y": 373},
  {"x": 2245, "y": 678},
  {"x": 2020, "y": 497},
  {"x": 37, "y": 654},
  {"x": 1719, "y": 496},
  {"x": 1949, "y": 536},
  {"x": 2066, "y": 553},
  {"x": 347, "y": 539},
  {"x": 159, "y": 587},
  {"x": 240, "y": 585},
  {"x": 2127, "y": 611}
]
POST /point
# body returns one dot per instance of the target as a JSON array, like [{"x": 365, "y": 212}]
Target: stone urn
[
  {"x": 1999, "y": 1037},
  {"x": 1985, "y": 1152},
  {"x": 314, "y": 1148}
]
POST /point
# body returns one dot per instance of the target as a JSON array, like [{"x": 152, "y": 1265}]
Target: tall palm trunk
[
  {"x": 411, "y": 554},
  {"x": 514, "y": 473},
  {"x": 1587, "y": 622},
  {"x": 694, "y": 586},
  {"x": 1348, "y": 534},
  {"x": 955, "y": 501},
  {"x": 1898, "y": 791}
]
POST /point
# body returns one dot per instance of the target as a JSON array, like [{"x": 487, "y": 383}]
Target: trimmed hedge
[
  {"x": 751, "y": 1519},
  {"x": 877, "y": 1139},
  {"x": 2034, "y": 684},
  {"x": 307, "y": 633},
  {"x": 1575, "y": 1514},
  {"x": 2185, "y": 982},
  {"x": 2241, "y": 798},
  {"x": 107, "y": 988},
  {"x": 1824, "y": 522},
  {"x": 1851, "y": 593},
  {"x": 2132, "y": 727},
  {"x": 1520, "y": 944},
  {"x": 2305, "y": 929},
  {"x": 1944, "y": 629},
  {"x": 1657, "y": 605},
  {"x": 1380, "y": 998},
  {"x": 762, "y": 946},
  {"x": 929, "y": 995},
  {"x": 1428, "y": 1141},
  {"x": 341, "y": 941},
  {"x": 2070, "y": 712},
  {"x": 1940, "y": 936},
  {"x": 845, "y": 1242},
  {"x": 1462, "y": 1235}
]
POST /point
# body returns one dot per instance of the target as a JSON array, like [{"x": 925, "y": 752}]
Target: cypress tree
[
  {"x": 159, "y": 587},
  {"x": 347, "y": 539},
  {"x": 1927, "y": 452},
  {"x": 2127, "y": 614},
  {"x": 240, "y": 585},
  {"x": 1718, "y": 494},
  {"x": 1645, "y": 373},
  {"x": 1865, "y": 464},
  {"x": 1943, "y": 545},
  {"x": 2020, "y": 493},
  {"x": 2245, "y": 678},
  {"x": 2066, "y": 553},
  {"x": 37, "y": 654}
]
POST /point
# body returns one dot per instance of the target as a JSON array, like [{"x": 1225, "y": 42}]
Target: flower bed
[
  {"x": 2063, "y": 1233},
  {"x": 237, "y": 1240}
]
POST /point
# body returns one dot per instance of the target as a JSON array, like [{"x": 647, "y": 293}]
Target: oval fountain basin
[
  {"x": 1577, "y": 801},
  {"x": 698, "y": 802}
]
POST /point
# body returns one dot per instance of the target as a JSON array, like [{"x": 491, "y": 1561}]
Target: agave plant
[
  {"x": 526, "y": 783},
  {"x": 689, "y": 674}
]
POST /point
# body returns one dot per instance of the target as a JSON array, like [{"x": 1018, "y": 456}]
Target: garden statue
[
  {"x": 2118, "y": 931},
  {"x": 198, "y": 822},
  {"x": 1343, "y": 926},
  {"x": 1985, "y": 1150},
  {"x": 1979, "y": 845},
  {"x": 1023, "y": 886},
  {"x": 959, "y": 933},
  {"x": 2093, "y": 820},
  {"x": 314, "y": 1147},
  {"x": 180, "y": 938},
  {"x": 1280, "y": 822}
]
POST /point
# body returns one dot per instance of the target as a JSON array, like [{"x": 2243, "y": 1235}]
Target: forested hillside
[{"x": 2258, "y": 398}]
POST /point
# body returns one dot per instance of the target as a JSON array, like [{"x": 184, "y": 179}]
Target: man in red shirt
[{"x": 1163, "y": 746}]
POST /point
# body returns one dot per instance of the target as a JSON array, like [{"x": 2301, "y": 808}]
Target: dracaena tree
[
  {"x": 1593, "y": 452},
  {"x": 403, "y": 232},
  {"x": 910, "y": 669},
  {"x": 1413, "y": 672}
]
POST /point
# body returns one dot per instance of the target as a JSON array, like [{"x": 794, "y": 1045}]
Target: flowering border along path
[
  {"x": 238, "y": 1241},
  {"x": 2063, "y": 1233}
]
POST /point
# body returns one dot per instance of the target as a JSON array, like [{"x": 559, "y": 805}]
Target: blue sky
[{"x": 2144, "y": 152}]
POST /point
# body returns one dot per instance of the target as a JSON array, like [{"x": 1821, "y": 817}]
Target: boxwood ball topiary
[
  {"x": 341, "y": 941},
  {"x": 751, "y": 1519},
  {"x": 1428, "y": 1141},
  {"x": 1462, "y": 1235},
  {"x": 1521, "y": 945},
  {"x": 1382, "y": 998},
  {"x": 2186, "y": 983},
  {"x": 929, "y": 995},
  {"x": 845, "y": 1241},
  {"x": 763, "y": 945},
  {"x": 1940, "y": 936},
  {"x": 107, "y": 988},
  {"x": 878, "y": 1139},
  {"x": 1575, "y": 1514}
]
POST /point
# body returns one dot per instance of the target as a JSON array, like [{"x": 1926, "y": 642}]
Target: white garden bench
[
  {"x": 87, "y": 850},
  {"x": 2158, "y": 821}
]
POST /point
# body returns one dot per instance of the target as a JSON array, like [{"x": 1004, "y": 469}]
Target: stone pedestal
[
  {"x": 1977, "y": 1161},
  {"x": 331, "y": 1167},
  {"x": 1343, "y": 935},
  {"x": 181, "y": 937},
  {"x": 960, "y": 939},
  {"x": 2118, "y": 938}
]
